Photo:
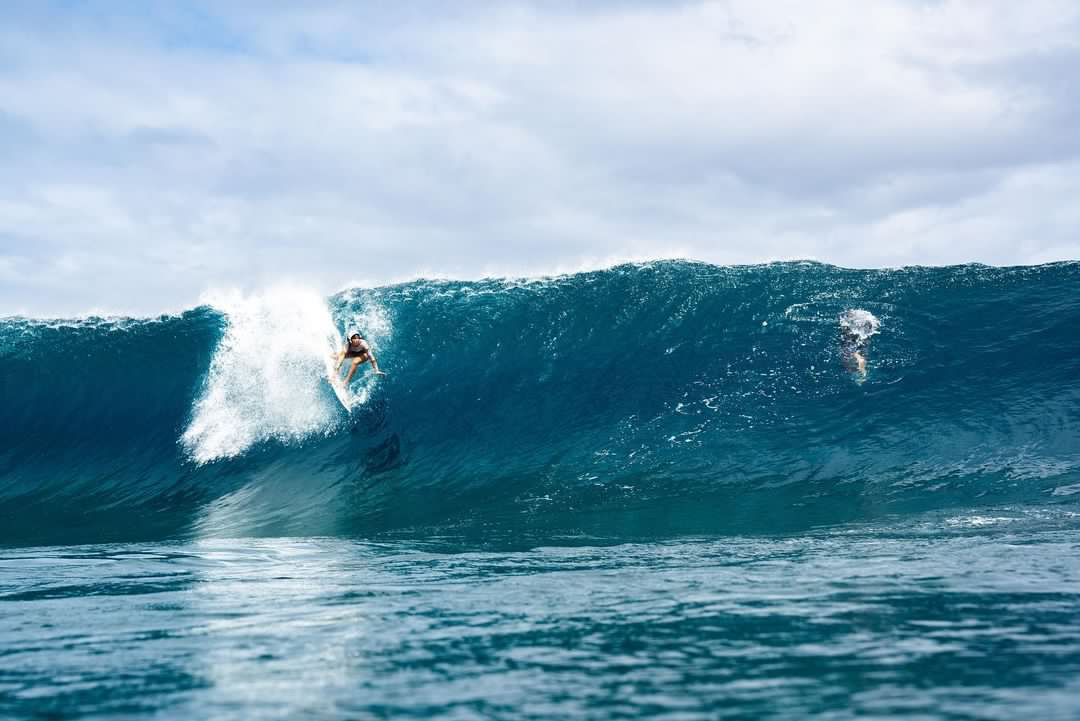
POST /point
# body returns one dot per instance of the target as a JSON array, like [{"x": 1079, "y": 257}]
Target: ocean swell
[{"x": 667, "y": 397}]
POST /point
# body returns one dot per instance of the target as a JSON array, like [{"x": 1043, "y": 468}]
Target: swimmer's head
[{"x": 859, "y": 324}]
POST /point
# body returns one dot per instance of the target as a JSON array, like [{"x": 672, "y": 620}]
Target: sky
[{"x": 153, "y": 152}]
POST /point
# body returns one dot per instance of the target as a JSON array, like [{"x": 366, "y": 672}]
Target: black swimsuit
[
  {"x": 850, "y": 344},
  {"x": 360, "y": 352}
]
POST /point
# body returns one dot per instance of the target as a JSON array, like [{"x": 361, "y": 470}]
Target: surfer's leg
[{"x": 355, "y": 364}]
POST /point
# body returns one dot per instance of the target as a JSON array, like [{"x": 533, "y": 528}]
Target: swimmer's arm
[
  {"x": 340, "y": 360},
  {"x": 860, "y": 360}
]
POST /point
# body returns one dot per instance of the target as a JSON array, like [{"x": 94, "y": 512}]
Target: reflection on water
[{"x": 970, "y": 621}]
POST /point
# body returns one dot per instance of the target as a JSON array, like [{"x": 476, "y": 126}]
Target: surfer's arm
[
  {"x": 371, "y": 358},
  {"x": 374, "y": 364},
  {"x": 340, "y": 360}
]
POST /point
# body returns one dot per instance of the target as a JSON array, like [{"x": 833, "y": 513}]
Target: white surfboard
[
  {"x": 343, "y": 394},
  {"x": 337, "y": 384}
]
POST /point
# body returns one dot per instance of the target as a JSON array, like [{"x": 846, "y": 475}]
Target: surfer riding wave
[{"x": 359, "y": 352}]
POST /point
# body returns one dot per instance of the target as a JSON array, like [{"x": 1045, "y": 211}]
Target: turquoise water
[
  {"x": 941, "y": 617},
  {"x": 655, "y": 491}
]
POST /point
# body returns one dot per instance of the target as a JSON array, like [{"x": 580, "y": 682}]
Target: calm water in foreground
[{"x": 972, "y": 616}]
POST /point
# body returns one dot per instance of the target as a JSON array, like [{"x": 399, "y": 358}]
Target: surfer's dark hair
[{"x": 356, "y": 335}]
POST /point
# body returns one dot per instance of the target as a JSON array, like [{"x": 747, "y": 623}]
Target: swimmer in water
[
  {"x": 856, "y": 329},
  {"x": 852, "y": 349}
]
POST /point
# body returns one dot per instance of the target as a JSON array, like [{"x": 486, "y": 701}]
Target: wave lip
[
  {"x": 664, "y": 397},
  {"x": 264, "y": 379}
]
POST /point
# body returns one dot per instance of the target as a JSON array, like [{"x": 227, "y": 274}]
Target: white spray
[
  {"x": 862, "y": 324},
  {"x": 266, "y": 379}
]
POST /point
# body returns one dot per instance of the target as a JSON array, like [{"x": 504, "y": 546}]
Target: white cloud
[{"x": 144, "y": 158}]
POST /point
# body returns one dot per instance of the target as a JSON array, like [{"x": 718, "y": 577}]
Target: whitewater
[{"x": 657, "y": 490}]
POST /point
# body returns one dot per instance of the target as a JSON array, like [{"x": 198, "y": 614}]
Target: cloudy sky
[{"x": 150, "y": 152}]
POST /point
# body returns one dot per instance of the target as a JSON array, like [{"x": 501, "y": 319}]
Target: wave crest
[{"x": 640, "y": 398}]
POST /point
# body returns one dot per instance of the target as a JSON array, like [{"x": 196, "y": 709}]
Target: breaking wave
[{"x": 668, "y": 397}]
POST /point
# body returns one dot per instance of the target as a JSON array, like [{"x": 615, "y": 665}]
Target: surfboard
[
  {"x": 342, "y": 394},
  {"x": 337, "y": 385}
]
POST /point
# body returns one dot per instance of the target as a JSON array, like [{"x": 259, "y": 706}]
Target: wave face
[{"x": 651, "y": 399}]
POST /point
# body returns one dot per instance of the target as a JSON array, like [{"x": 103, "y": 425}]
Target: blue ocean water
[{"x": 654, "y": 491}]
